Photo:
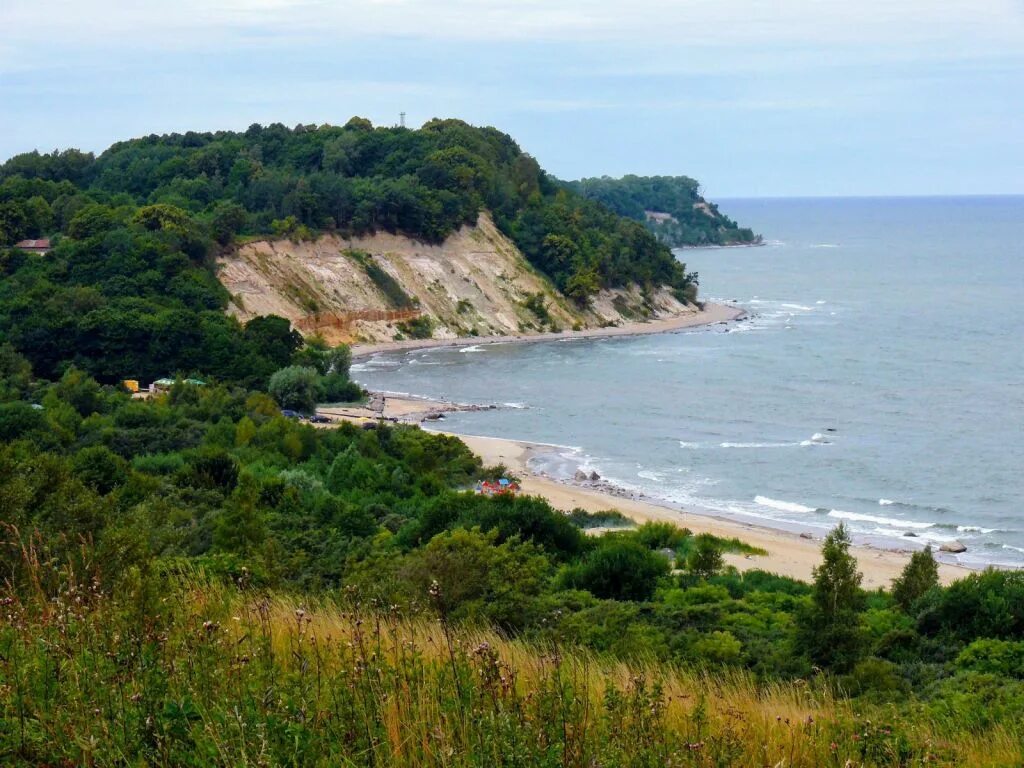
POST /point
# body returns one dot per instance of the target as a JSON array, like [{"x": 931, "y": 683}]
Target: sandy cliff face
[{"x": 474, "y": 283}]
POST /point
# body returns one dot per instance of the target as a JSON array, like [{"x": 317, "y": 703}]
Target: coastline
[
  {"x": 789, "y": 554},
  {"x": 711, "y": 314}
]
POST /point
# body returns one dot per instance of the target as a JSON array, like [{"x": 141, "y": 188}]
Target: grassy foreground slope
[{"x": 203, "y": 674}]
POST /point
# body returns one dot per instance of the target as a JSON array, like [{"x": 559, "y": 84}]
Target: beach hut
[{"x": 503, "y": 487}]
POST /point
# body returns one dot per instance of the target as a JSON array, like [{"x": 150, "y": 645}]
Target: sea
[{"x": 877, "y": 381}]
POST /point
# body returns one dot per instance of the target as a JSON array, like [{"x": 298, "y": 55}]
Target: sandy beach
[
  {"x": 788, "y": 554},
  {"x": 712, "y": 313}
]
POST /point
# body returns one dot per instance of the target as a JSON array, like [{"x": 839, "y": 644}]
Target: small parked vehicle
[
  {"x": 317, "y": 418},
  {"x": 288, "y": 413}
]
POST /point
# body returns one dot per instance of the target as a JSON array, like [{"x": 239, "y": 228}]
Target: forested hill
[
  {"x": 129, "y": 284},
  {"x": 670, "y": 206}
]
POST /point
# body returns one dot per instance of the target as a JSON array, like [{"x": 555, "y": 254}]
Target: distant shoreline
[
  {"x": 710, "y": 315},
  {"x": 716, "y": 246}
]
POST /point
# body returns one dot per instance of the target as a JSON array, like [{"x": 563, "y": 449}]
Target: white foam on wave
[
  {"x": 758, "y": 445},
  {"x": 885, "y": 502},
  {"x": 1013, "y": 548},
  {"x": 825, "y": 245},
  {"x": 684, "y": 444},
  {"x": 878, "y": 520},
  {"x": 647, "y": 474},
  {"x": 820, "y": 301},
  {"x": 974, "y": 529},
  {"x": 374, "y": 363},
  {"x": 816, "y": 439},
  {"x": 801, "y": 307},
  {"x": 472, "y": 348},
  {"x": 782, "y": 506},
  {"x": 516, "y": 406}
]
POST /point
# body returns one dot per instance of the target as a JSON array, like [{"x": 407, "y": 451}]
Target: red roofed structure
[{"x": 34, "y": 246}]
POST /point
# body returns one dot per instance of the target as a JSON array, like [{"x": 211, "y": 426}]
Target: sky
[{"x": 751, "y": 97}]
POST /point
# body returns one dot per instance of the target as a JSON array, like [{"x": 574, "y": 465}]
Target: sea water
[{"x": 878, "y": 381}]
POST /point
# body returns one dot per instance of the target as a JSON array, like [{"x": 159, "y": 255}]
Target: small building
[
  {"x": 503, "y": 487},
  {"x": 132, "y": 385},
  {"x": 34, "y": 246}
]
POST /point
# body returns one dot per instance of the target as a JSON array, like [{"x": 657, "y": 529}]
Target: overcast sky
[{"x": 791, "y": 97}]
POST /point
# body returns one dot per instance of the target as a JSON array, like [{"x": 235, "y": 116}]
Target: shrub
[
  {"x": 1000, "y": 657},
  {"x": 418, "y": 328},
  {"x": 620, "y": 570}
]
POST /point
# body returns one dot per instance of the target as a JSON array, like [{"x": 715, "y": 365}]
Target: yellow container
[{"x": 132, "y": 385}]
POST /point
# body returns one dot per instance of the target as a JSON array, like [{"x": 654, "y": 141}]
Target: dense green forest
[
  {"x": 694, "y": 220},
  {"x": 129, "y": 288}
]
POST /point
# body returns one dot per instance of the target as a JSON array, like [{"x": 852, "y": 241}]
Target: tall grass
[{"x": 186, "y": 672}]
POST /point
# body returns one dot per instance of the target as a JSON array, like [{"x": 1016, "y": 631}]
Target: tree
[
  {"x": 227, "y": 220},
  {"x": 919, "y": 576},
  {"x": 273, "y": 338},
  {"x": 295, "y": 387},
  {"x": 100, "y": 468},
  {"x": 706, "y": 558},
  {"x": 829, "y": 628}
]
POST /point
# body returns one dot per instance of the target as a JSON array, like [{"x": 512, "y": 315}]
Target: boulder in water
[
  {"x": 594, "y": 477},
  {"x": 580, "y": 476},
  {"x": 953, "y": 546},
  {"x": 910, "y": 535}
]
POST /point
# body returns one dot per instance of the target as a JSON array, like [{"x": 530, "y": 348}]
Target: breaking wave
[
  {"x": 877, "y": 519},
  {"x": 782, "y": 506}
]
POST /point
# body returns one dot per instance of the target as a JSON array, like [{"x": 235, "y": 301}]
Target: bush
[
  {"x": 620, "y": 570},
  {"x": 100, "y": 468},
  {"x": 17, "y": 419},
  {"x": 418, "y": 328},
  {"x": 1000, "y": 657}
]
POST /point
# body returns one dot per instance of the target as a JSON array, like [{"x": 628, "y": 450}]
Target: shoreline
[
  {"x": 789, "y": 554},
  {"x": 710, "y": 315}
]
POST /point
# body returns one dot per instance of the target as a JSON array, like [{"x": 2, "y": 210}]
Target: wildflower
[{"x": 833, "y": 746}]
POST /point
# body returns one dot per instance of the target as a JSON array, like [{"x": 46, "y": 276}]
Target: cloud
[{"x": 709, "y": 22}]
